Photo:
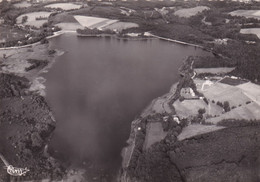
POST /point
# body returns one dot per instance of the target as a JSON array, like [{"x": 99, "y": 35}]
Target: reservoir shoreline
[
  {"x": 114, "y": 41},
  {"x": 48, "y": 68}
]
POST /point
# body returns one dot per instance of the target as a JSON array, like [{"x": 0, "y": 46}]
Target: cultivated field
[
  {"x": 255, "y": 31},
  {"x": 64, "y": 17},
  {"x": 247, "y": 111},
  {"x": 92, "y": 22},
  {"x": 197, "y": 129},
  {"x": 121, "y": 26},
  {"x": 64, "y": 6},
  {"x": 188, "y": 12},
  {"x": 32, "y": 18},
  {"x": 188, "y": 108},
  {"x": 214, "y": 70},
  {"x": 251, "y": 90},
  {"x": 223, "y": 92},
  {"x": 243, "y": 98},
  {"x": 158, "y": 105},
  {"x": 69, "y": 26},
  {"x": 154, "y": 133},
  {"x": 99, "y": 11},
  {"x": 103, "y": 23},
  {"x": 22, "y": 5},
  {"x": 246, "y": 13},
  {"x": 233, "y": 81}
]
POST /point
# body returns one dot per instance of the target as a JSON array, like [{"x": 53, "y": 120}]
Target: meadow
[
  {"x": 64, "y": 6},
  {"x": 246, "y": 13},
  {"x": 255, "y": 31},
  {"x": 32, "y": 18},
  {"x": 188, "y": 12}
]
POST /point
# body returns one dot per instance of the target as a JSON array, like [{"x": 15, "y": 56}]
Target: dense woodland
[{"x": 161, "y": 161}]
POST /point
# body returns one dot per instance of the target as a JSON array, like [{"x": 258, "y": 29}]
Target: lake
[{"x": 98, "y": 87}]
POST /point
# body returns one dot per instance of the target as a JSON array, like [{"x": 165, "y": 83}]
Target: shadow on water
[{"x": 98, "y": 87}]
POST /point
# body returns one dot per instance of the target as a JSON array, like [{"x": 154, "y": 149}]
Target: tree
[
  {"x": 24, "y": 19},
  {"x": 219, "y": 104},
  {"x": 206, "y": 100},
  {"x": 200, "y": 115},
  {"x": 181, "y": 98},
  {"x": 226, "y": 106},
  {"x": 36, "y": 140},
  {"x": 201, "y": 111}
]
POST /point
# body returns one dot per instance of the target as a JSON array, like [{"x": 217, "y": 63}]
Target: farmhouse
[
  {"x": 176, "y": 118},
  {"x": 221, "y": 41},
  {"x": 188, "y": 93},
  {"x": 147, "y": 34},
  {"x": 133, "y": 34}
]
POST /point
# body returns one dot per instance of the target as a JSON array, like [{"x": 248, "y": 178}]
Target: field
[
  {"x": 245, "y": 97},
  {"x": 64, "y": 17},
  {"x": 38, "y": 52},
  {"x": 223, "y": 92},
  {"x": 32, "y": 18},
  {"x": 246, "y": 13},
  {"x": 99, "y": 11},
  {"x": 161, "y": 105},
  {"x": 16, "y": 63},
  {"x": 64, "y": 6},
  {"x": 93, "y": 22},
  {"x": 121, "y": 26},
  {"x": 197, "y": 129},
  {"x": 231, "y": 81},
  {"x": 69, "y": 26},
  {"x": 255, "y": 31},
  {"x": 188, "y": 12},
  {"x": 154, "y": 133},
  {"x": 214, "y": 70},
  {"x": 248, "y": 112},
  {"x": 188, "y": 108},
  {"x": 103, "y": 23},
  {"x": 251, "y": 90},
  {"x": 8, "y": 33},
  {"x": 22, "y": 5}
]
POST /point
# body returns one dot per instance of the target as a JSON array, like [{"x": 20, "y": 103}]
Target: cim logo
[{"x": 14, "y": 171}]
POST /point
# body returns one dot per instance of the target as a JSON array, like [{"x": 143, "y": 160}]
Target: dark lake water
[{"x": 99, "y": 86}]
